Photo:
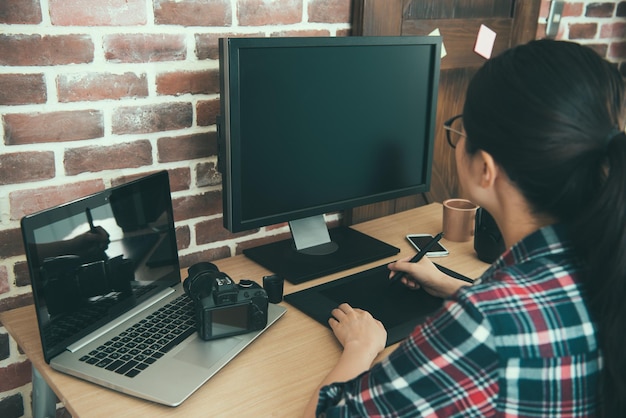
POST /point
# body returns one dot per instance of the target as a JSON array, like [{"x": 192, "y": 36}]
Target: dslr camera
[{"x": 222, "y": 307}]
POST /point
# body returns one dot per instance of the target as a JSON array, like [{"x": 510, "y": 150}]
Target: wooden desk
[{"x": 277, "y": 374}]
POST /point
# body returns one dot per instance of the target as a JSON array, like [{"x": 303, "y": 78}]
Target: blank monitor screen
[{"x": 315, "y": 125}]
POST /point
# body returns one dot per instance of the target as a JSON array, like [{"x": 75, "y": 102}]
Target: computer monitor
[{"x": 315, "y": 125}]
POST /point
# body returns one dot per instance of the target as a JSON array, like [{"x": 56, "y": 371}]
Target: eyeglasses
[{"x": 454, "y": 130}]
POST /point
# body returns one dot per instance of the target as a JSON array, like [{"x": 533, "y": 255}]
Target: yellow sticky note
[
  {"x": 485, "y": 41},
  {"x": 443, "y": 48}
]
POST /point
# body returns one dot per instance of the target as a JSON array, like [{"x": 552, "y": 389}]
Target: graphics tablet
[{"x": 397, "y": 307}]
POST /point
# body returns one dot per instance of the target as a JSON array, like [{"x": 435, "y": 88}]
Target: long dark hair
[{"x": 549, "y": 113}]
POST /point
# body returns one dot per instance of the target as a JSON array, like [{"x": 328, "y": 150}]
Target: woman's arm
[{"x": 362, "y": 337}]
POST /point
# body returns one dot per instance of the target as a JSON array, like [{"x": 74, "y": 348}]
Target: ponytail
[{"x": 600, "y": 237}]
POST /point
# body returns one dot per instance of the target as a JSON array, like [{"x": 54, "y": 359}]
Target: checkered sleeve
[{"x": 446, "y": 366}]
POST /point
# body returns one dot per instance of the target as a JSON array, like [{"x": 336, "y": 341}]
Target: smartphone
[{"x": 420, "y": 240}]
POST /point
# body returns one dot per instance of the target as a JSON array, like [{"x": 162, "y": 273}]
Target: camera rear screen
[{"x": 230, "y": 320}]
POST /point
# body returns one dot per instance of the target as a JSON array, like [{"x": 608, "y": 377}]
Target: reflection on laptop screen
[{"x": 92, "y": 259}]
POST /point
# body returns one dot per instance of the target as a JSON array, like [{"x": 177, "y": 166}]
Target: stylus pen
[
  {"x": 417, "y": 257},
  {"x": 92, "y": 228}
]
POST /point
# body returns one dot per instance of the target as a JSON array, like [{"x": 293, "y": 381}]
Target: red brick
[
  {"x": 4, "y": 280},
  {"x": 207, "y": 111},
  {"x": 261, "y": 12},
  {"x": 617, "y": 50},
  {"x": 188, "y": 82},
  {"x": 15, "y": 375},
  {"x": 213, "y": 230},
  {"x": 613, "y": 30},
  {"x": 180, "y": 179},
  {"x": 59, "y": 126},
  {"x": 144, "y": 47},
  {"x": 20, "y": 89},
  {"x": 207, "y": 175},
  {"x": 16, "y": 12},
  {"x": 152, "y": 118},
  {"x": 573, "y": 9},
  {"x": 600, "y": 10},
  {"x": 97, "y": 13},
  {"x": 11, "y": 244},
  {"x": 183, "y": 237},
  {"x": 101, "y": 86},
  {"x": 207, "y": 45},
  {"x": 98, "y": 158},
  {"x": 195, "y": 206},
  {"x": 330, "y": 11},
  {"x": 26, "y": 201},
  {"x": 583, "y": 30},
  {"x": 22, "y": 167},
  {"x": 34, "y": 50},
  {"x": 188, "y": 147},
  {"x": 22, "y": 276},
  {"x": 193, "y": 12},
  {"x": 14, "y": 302}
]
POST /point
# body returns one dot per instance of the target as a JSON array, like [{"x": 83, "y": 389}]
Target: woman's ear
[{"x": 488, "y": 169}]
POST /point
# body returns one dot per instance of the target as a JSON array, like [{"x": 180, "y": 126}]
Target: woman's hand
[
  {"x": 424, "y": 274},
  {"x": 356, "y": 329}
]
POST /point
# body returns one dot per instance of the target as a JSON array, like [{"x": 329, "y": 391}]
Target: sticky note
[
  {"x": 443, "y": 48},
  {"x": 484, "y": 41}
]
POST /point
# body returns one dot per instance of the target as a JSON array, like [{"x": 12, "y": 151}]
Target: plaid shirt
[{"x": 519, "y": 342}]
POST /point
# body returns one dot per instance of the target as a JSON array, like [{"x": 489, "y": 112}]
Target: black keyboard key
[
  {"x": 114, "y": 365},
  {"x": 126, "y": 367},
  {"x": 104, "y": 362}
]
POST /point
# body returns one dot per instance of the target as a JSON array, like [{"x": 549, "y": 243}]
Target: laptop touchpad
[{"x": 208, "y": 353}]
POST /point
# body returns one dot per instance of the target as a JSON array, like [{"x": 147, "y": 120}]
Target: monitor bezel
[{"x": 229, "y": 146}]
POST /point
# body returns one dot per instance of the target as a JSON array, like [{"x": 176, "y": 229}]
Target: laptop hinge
[{"x": 116, "y": 322}]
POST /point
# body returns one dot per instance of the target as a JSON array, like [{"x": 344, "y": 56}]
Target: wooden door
[{"x": 514, "y": 21}]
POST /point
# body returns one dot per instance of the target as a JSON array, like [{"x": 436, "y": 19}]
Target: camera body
[{"x": 224, "y": 308}]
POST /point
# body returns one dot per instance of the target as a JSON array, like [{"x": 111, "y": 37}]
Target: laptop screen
[{"x": 95, "y": 258}]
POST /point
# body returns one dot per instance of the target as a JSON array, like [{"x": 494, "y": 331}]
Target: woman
[{"x": 542, "y": 332}]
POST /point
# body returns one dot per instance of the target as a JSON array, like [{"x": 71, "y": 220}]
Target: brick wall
[
  {"x": 598, "y": 24},
  {"x": 93, "y": 94}
]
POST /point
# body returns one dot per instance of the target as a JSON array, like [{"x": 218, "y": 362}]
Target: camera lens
[{"x": 273, "y": 285}]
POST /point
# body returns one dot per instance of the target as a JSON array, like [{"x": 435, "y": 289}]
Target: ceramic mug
[{"x": 458, "y": 219}]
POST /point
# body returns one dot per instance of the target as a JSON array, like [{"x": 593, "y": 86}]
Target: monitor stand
[{"x": 316, "y": 251}]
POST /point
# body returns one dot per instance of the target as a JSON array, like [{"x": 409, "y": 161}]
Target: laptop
[{"x": 110, "y": 304}]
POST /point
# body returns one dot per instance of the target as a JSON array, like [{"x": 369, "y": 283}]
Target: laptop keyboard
[{"x": 142, "y": 344}]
